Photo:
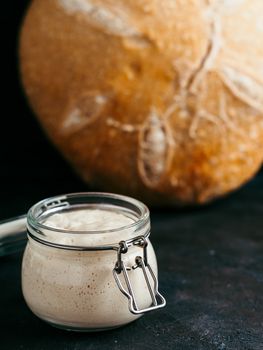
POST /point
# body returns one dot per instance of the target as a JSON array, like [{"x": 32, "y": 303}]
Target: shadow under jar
[{"x": 89, "y": 264}]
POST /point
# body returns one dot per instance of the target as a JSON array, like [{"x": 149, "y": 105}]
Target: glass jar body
[
  {"x": 73, "y": 279},
  {"x": 76, "y": 289}
]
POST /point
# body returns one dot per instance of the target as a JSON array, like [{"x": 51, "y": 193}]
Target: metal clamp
[{"x": 158, "y": 300}]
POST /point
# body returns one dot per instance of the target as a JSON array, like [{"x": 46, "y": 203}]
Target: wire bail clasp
[{"x": 158, "y": 301}]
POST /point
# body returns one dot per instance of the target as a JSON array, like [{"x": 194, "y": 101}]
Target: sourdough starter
[{"x": 76, "y": 289}]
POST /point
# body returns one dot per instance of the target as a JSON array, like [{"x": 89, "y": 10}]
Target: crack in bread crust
[{"x": 153, "y": 150}]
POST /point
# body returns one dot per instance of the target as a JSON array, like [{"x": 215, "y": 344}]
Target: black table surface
[{"x": 210, "y": 271}]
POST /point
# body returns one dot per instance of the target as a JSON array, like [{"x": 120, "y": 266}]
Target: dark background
[
  {"x": 210, "y": 259},
  {"x": 30, "y": 167}
]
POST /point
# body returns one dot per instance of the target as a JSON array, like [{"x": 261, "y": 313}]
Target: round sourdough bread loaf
[{"x": 159, "y": 99}]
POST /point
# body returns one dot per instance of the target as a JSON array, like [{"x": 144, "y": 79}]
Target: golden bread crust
[{"x": 162, "y": 100}]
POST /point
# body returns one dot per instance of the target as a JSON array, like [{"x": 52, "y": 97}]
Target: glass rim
[{"x": 143, "y": 218}]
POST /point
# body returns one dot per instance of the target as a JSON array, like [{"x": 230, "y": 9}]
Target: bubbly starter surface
[{"x": 88, "y": 220}]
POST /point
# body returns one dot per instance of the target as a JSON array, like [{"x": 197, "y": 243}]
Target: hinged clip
[{"x": 158, "y": 301}]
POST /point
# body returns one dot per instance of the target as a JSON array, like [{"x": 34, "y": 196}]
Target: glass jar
[{"x": 89, "y": 280}]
